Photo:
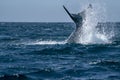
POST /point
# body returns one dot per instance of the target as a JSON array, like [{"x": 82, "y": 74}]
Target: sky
[{"x": 51, "y": 10}]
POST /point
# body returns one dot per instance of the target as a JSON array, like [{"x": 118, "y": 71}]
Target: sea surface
[{"x": 38, "y": 51}]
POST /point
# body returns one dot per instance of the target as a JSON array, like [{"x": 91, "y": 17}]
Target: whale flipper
[
  {"x": 77, "y": 18},
  {"x": 71, "y": 16}
]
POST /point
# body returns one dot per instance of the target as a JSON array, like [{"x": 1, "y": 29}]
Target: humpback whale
[{"x": 79, "y": 20}]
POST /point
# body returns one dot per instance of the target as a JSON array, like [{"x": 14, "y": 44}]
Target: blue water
[{"x": 37, "y": 51}]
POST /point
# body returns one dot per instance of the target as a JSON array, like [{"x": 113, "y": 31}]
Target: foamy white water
[
  {"x": 46, "y": 43},
  {"x": 90, "y": 34}
]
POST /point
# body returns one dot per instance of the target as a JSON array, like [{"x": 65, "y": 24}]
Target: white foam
[
  {"x": 46, "y": 43},
  {"x": 90, "y": 34}
]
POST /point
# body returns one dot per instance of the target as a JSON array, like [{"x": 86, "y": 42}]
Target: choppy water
[{"x": 38, "y": 51}]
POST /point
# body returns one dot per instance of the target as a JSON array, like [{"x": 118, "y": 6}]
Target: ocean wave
[
  {"x": 109, "y": 64},
  {"x": 41, "y": 74},
  {"x": 62, "y": 50},
  {"x": 14, "y": 77},
  {"x": 7, "y": 38},
  {"x": 106, "y": 62}
]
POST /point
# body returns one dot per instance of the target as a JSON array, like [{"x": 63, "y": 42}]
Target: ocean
[{"x": 38, "y": 51}]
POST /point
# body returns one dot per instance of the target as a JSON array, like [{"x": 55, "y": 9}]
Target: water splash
[
  {"x": 45, "y": 43},
  {"x": 90, "y": 33}
]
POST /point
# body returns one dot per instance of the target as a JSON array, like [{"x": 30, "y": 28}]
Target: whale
[{"x": 79, "y": 20}]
